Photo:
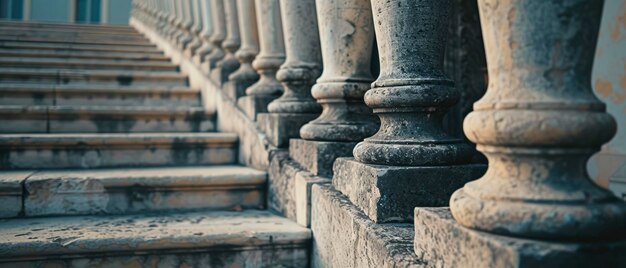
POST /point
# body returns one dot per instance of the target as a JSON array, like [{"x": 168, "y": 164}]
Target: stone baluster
[
  {"x": 245, "y": 76},
  {"x": 302, "y": 66},
  {"x": 205, "y": 34},
  {"x": 196, "y": 27},
  {"x": 411, "y": 150},
  {"x": 172, "y": 20},
  {"x": 185, "y": 36},
  {"x": 267, "y": 62},
  {"x": 217, "y": 37},
  {"x": 229, "y": 63},
  {"x": 538, "y": 124},
  {"x": 346, "y": 36}
]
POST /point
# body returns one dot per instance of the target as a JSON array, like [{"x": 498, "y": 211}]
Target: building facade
[{"x": 69, "y": 11}]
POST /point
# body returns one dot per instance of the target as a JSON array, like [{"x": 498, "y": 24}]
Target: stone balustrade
[{"x": 302, "y": 74}]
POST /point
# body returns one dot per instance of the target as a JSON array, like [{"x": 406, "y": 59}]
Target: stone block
[
  {"x": 254, "y": 105},
  {"x": 345, "y": 237},
  {"x": 318, "y": 156},
  {"x": 281, "y": 184},
  {"x": 235, "y": 89},
  {"x": 304, "y": 183},
  {"x": 11, "y": 193},
  {"x": 390, "y": 193},
  {"x": 441, "y": 242},
  {"x": 279, "y": 128}
]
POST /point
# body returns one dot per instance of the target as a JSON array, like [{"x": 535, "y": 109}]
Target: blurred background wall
[{"x": 70, "y": 11}]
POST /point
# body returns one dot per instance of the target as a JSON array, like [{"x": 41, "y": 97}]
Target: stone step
[
  {"x": 17, "y": 31},
  {"x": 72, "y": 36},
  {"x": 139, "y": 190},
  {"x": 67, "y": 26},
  {"x": 110, "y": 77},
  {"x": 76, "y": 41},
  {"x": 36, "y": 53},
  {"x": 101, "y": 64},
  {"x": 90, "y": 95},
  {"x": 104, "y": 119},
  {"x": 192, "y": 239},
  {"x": 112, "y": 150},
  {"x": 79, "y": 47}
]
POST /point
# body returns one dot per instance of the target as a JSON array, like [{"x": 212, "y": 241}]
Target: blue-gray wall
[
  {"x": 49, "y": 10},
  {"x": 119, "y": 11}
]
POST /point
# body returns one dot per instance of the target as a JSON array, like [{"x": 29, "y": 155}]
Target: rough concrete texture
[
  {"x": 21, "y": 151},
  {"x": 345, "y": 237},
  {"x": 304, "y": 182},
  {"x": 389, "y": 193},
  {"x": 281, "y": 179},
  {"x": 201, "y": 239},
  {"x": 318, "y": 156},
  {"x": 103, "y": 119},
  {"x": 279, "y": 128},
  {"x": 118, "y": 191},
  {"x": 441, "y": 242},
  {"x": 11, "y": 194},
  {"x": 254, "y": 105}
]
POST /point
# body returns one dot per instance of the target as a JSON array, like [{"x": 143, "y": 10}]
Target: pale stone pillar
[
  {"x": 245, "y": 76},
  {"x": 302, "y": 66},
  {"x": 184, "y": 24},
  {"x": 196, "y": 27},
  {"x": 267, "y": 62},
  {"x": 411, "y": 161},
  {"x": 229, "y": 63},
  {"x": 538, "y": 124},
  {"x": 218, "y": 36},
  {"x": 205, "y": 34},
  {"x": 347, "y": 39},
  {"x": 346, "y": 35}
]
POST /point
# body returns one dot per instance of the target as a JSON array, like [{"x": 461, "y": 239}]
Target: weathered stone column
[
  {"x": 538, "y": 124},
  {"x": 205, "y": 34},
  {"x": 245, "y": 76},
  {"x": 267, "y": 62},
  {"x": 302, "y": 66},
  {"x": 347, "y": 40},
  {"x": 218, "y": 36},
  {"x": 229, "y": 63},
  {"x": 196, "y": 27},
  {"x": 184, "y": 24},
  {"x": 411, "y": 161}
]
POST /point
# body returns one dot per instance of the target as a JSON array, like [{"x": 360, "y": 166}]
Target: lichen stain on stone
[{"x": 619, "y": 23}]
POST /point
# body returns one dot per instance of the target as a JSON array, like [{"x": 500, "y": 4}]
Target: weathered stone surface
[
  {"x": 304, "y": 182},
  {"x": 390, "y": 193},
  {"x": 538, "y": 124},
  {"x": 345, "y": 237},
  {"x": 318, "y": 156},
  {"x": 441, "y": 242},
  {"x": 229, "y": 63},
  {"x": 217, "y": 37},
  {"x": 119, "y": 191},
  {"x": 412, "y": 94},
  {"x": 254, "y": 105},
  {"x": 347, "y": 39},
  {"x": 246, "y": 76},
  {"x": 95, "y": 77},
  {"x": 11, "y": 192},
  {"x": 103, "y": 119},
  {"x": 30, "y": 151},
  {"x": 202, "y": 239},
  {"x": 85, "y": 64},
  {"x": 280, "y": 127},
  {"x": 281, "y": 179},
  {"x": 69, "y": 47}
]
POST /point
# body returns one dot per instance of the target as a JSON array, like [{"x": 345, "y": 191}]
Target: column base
[
  {"x": 254, "y": 105},
  {"x": 236, "y": 89},
  {"x": 390, "y": 193},
  {"x": 279, "y": 128},
  {"x": 318, "y": 156},
  {"x": 441, "y": 241}
]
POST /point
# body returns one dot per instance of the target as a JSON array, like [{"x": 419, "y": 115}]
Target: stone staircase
[{"x": 108, "y": 158}]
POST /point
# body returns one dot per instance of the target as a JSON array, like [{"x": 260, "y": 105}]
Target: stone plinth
[
  {"x": 235, "y": 89},
  {"x": 11, "y": 198},
  {"x": 344, "y": 237},
  {"x": 254, "y": 104},
  {"x": 390, "y": 193},
  {"x": 318, "y": 156},
  {"x": 441, "y": 242},
  {"x": 304, "y": 182},
  {"x": 280, "y": 127}
]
